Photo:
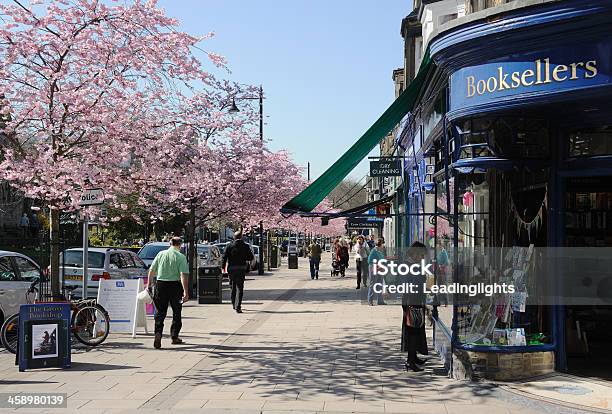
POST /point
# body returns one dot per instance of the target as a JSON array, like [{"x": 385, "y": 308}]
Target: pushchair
[{"x": 337, "y": 268}]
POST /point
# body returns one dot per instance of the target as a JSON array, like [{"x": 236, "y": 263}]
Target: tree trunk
[
  {"x": 193, "y": 257},
  {"x": 54, "y": 238}
]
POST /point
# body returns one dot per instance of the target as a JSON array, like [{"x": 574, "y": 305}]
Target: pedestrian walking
[
  {"x": 314, "y": 254},
  {"x": 413, "y": 316},
  {"x": 343, "y": 256},
  {"x": 377, "y": 253},
  {"x": 171, "y": 274},
  {"x": 34, "y": 225},
  {"x": 362, "y": 251},
  {"x": 24, "y": 224},
  {"x": 371, "y": 242},
  {"x": 236, "y": 256}
]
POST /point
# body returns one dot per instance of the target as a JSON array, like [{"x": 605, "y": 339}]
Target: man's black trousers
[
  {"x": 237, "y": 289},
  {"x": 168, "y": 293}
]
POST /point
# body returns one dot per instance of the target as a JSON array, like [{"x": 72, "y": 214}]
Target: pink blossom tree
[{"x": 82, "y": 83}]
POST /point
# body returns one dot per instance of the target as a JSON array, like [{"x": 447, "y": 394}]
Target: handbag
[
  {"x": 145, "y": 297},
  {"x": 415, "y": 317}
]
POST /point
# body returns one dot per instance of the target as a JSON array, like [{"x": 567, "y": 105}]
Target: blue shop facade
[{"x": 510, "y": 144}]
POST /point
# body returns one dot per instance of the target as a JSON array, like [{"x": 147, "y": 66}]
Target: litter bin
[
  {"x": 274, "y": 256},
  {"x": 293, "y": 260},
  {"x": 209, "y": 285}
]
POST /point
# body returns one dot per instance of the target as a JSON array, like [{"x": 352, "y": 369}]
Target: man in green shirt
[{"x": 172, "y": 272}]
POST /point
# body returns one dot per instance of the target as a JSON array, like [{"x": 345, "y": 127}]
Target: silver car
[
  {"x": 103, "y": 263},
  {"x": 150, "y": 250},
  {"x": 17, "y": 272},
  {"x": 209, "y": 256},
  {"x": 254, "y": 264}
]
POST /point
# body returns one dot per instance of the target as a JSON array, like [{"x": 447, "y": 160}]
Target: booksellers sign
[{"x": 547, "y": 71}]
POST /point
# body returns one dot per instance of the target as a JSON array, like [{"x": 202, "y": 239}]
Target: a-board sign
[
  {"x": 44, "y": 336},
  {"x": 91, "y": 197},
  {"x": 120, "y": 299}
]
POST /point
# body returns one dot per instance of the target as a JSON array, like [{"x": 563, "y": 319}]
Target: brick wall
[{"x": 513, "y": 366}]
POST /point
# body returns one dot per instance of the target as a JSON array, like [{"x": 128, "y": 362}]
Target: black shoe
[
  {"x": 157, "y": 341},
  {"x": 420, "y": 361},
  {"x": 412, "y": 367},
  {"x": 238, "y": 310},
  {"x": 177, "y": 341},
  {"x": 357, "y": 287}
]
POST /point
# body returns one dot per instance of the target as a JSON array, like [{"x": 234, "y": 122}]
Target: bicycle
[{"x": 90, "y": 323}]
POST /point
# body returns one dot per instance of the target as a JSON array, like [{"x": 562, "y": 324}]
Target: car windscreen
[
  {"x": 74, "y": 258},
  {"x": 149, "y": 252},
  {"x": 203, "y": 251}
]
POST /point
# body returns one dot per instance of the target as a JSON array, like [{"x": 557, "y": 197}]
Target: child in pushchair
[
  {"x": 337, "y": 268},
  {"x": 341, "y": 259}
]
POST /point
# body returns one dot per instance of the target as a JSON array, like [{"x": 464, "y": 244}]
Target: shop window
[
  {"x": 529, "y": 138},
  {"x": 476, "y": 137},
  {"x": 590, "y": 143},
  {"x": 503, "y": 137},
  {"x": 501, "y": 220}
]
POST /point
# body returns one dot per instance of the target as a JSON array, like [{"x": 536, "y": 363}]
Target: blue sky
[{"x": 325, "y": 65}]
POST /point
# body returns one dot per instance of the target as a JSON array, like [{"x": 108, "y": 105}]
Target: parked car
[
  {"x": 103, "y": 263},
  {"x": 254, "y": 264},
  {"x": 209, "y": 255},
  {"x": 17, "y": 272},
  {"x": 221, "y": 246},
  {"x": 148, "y": 252}
]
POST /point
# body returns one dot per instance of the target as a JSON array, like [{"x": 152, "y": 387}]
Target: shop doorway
[{"x": 588, "y": 328}]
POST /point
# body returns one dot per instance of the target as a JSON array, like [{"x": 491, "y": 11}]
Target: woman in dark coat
[
  {"x": 414, "y": 339},
  {"x": 343, "y": 257}
]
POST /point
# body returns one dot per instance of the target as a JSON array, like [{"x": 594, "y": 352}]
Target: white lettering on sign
[{"x": 92, "y": 197}]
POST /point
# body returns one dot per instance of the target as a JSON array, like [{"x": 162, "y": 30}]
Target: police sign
[
  {"x": 385, "y": 167},
  {"x": 91, "y": 197}
]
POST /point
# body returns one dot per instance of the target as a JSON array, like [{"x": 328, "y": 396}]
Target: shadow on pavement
[{"x": 90, "y": 366}]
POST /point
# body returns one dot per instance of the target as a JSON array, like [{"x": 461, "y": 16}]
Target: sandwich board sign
[
  {"x": 120, "y": 299},
  {"x": 44, "y": 336}
]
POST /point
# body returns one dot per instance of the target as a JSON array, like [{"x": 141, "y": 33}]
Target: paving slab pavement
[{"x": 301, "y": 345}]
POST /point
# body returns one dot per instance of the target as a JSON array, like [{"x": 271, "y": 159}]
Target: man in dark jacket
[{"x": 236, "y": 256}]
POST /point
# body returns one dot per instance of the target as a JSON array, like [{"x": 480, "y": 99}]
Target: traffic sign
[{"x": 92, "y": 197}]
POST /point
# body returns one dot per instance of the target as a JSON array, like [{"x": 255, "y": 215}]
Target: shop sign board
[
  {"x": 386, "y": 167},
  {"x": 120, "y": 299},
  {"x": 355, "y": 223},
  {"x": 532, "y": 74},
  {"x": 44, "y": 336}
]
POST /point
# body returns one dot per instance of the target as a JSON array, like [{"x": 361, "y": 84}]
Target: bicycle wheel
[
  {"x": 90, "y": 325},
  {"x": 10, "y": 335}
]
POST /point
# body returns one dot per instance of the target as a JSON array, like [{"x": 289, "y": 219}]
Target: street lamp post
[{"x": 234, "y": 108}]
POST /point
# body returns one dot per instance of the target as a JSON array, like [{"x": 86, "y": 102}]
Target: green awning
[{"x": 312, "y": 195}]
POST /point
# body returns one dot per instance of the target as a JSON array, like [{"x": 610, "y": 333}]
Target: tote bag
[{"x": 415, "y": 317}]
